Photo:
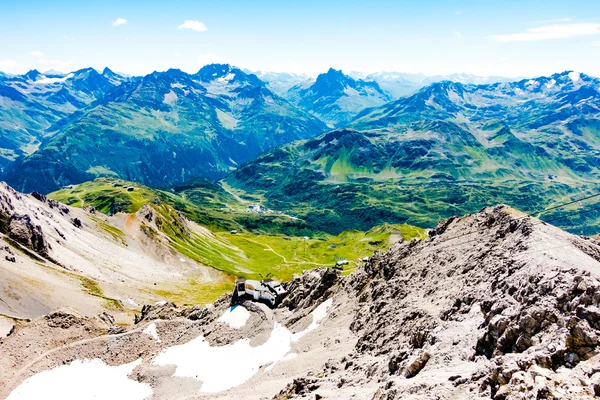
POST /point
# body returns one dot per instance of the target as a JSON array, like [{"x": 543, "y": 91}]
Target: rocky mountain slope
[
  {"x": 166, "y": 128},
  {"x": 53, "y": 255},
  {"x": 337, "y": 98},
  {"x": 492, "y": 305},
  {"x": 447, "y": 147},
  {"x": 32, "y": 103}
]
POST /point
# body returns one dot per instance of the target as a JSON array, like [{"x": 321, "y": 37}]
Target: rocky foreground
[{"x": 492, "y": 305}]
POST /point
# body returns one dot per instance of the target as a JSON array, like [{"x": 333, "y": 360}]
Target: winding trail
[{"x": 285, "y": 260}]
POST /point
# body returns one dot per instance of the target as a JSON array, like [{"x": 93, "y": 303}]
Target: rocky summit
[{"x": 491, "y": 305}]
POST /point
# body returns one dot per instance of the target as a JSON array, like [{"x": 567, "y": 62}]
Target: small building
[
  {"x": 234, "y": 232},
  {"x": 267, "y": 291},
  {"x": 341, "y": 263}
]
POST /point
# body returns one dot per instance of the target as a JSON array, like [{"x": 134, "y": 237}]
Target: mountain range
[
  {"x": 337, "y": 98},
  {"x": 164, "y": 128},
  {"x": 32, "y": 103},
  {"x": 448, "y": 147},
  {"x": 337, "y": 151}
]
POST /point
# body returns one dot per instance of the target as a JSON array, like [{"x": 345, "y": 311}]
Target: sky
[{"x": 484, "y": 37}]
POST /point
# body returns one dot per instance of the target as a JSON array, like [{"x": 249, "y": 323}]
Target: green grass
[
  {"x": 193, "y": 292},
  {"x": 202, "y": 201},
  {"x": 115, "y": 232},
  {"x": 264, "y": 250}
]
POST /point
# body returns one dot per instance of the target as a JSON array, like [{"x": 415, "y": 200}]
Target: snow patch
[
  {"x": 287, "y": 357},
  {"x": 225, "y": 371},
  {"x": 574, "y": 76},
  {"x": 151, "y": 330},
  {"x": 131, "y": 302},
  {"x": 226, "y": 78},
  {"x": 81, "y": 380},
  {"x": 532, "y": 84},
  {"x": 351, "y": 91},
  {"x": 236, "y": 317},
  {"x": 550, "y": 83},
  {"x": 170, "y": 98},
  {"x": 49, "y": 81}
]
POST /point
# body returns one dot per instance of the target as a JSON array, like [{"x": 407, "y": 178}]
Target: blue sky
[{"x": 510, "y": 38}]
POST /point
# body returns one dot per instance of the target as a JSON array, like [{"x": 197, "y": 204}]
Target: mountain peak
[
  {"x": 33, "y": 74},
  {"x": 335, "y": 72},
  {"x": 85, "y": 73},
  {"x": 227, "y": 72},
  {"x": 214, "y": 71}
]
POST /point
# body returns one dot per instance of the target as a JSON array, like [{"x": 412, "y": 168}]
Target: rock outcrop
[
  {"x": 493, "y": 305},
  {"x": 23, "y": 231}
]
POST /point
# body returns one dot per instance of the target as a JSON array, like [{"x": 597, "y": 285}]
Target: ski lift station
[{"x": 267, "y": 291}]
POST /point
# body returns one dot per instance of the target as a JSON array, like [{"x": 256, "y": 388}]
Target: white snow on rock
[
  {"x": 226, "y": 78},
  {"x": 287, "y": 357},
  {"x": 151, "y": 330},
  {"x": 575, "y": 77},
  {"x": 49, "y": 81},
  {"x": 222, "y": 368},
  {"x": 6, "y": 326},
  {"x": 236, "y": 317},
  {"x": 170, "y": 98},
  {"x": 82, "y": 380},
  {"x": 132, "y": 302}
]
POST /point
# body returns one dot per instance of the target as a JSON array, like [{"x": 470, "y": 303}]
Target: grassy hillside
[
  {"x": 279, "y": 245},
  {"x": 202, "y": 201}
]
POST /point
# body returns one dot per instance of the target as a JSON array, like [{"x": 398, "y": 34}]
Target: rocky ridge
[{"x": 509, "y": 312}]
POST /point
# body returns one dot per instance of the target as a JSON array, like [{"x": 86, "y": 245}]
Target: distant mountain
[
  {"x": 447, "y": 149},
  {"x": 400, "y": 84},
  {"x": 31, "y": 103},
  {"x": 165, "y": 128},
  {"x": 336, "y": 98},
  {"x": 280, "y": 82}
]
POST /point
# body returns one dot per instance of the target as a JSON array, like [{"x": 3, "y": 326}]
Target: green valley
[{"x": 237, "y": 242}]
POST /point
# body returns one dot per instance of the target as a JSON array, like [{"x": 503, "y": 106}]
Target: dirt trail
[{"x": 285, "y": 260}]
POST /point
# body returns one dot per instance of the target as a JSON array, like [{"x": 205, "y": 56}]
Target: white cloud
[
  {"x": 458, "y": 35},
  {"x": 193, "y": 25},
  {"x": 10, "y": 66},
  {"x": 210, "y": 58},
  {"x": 36, "y": 54},
  {"x": 548, "y": 32},
  {"x": 458, "y": 12},
  {"x": 554, "y": 21},
  {"x": 58, "y": 65},
  {"x": 178, "y": 54},
  {"x": 119, "y": 21}
]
